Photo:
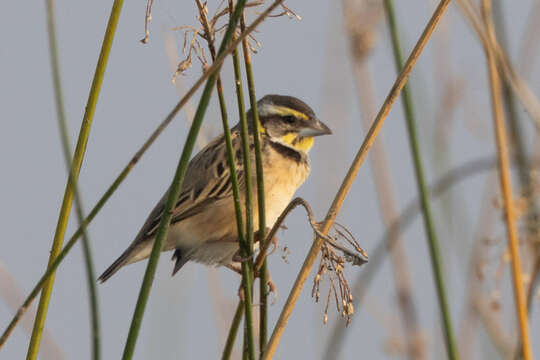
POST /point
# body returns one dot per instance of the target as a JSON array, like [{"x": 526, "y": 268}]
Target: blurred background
[{"x": 338, "y": 59}]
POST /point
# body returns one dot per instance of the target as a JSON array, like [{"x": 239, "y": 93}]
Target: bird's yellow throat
[{"x": 301, "y": 144}]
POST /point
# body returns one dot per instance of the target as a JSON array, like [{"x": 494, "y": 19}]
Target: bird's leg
[
  {"x": 273, "y": 241},
  {"x": 271, "y": 286}
]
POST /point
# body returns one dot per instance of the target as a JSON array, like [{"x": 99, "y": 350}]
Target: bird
[{"x": 203, "y": 224}]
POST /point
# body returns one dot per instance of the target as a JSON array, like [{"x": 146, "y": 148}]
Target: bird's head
[{"x": 289, "y": 121}]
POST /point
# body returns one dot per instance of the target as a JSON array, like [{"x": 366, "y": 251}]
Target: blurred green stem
[
  {"x": 424, "y": 195},
  {"x": 41, "y": 315},
  {"x": 64, "y": 135}
]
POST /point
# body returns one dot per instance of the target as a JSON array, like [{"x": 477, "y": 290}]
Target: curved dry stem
[{"x": 355, "y": 259}]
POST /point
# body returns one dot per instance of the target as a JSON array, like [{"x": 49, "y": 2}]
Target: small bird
[{"x": 203, "y": 226}]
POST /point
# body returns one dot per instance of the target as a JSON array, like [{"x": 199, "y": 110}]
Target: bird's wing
[{"x": 207, "y": 179}]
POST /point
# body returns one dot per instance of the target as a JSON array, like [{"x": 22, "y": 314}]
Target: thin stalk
[
  {"x": 173, "y": 193},
  {"x": 126, "y": 170},
  {"x": 517, "y": 142},
  {"x": 263, "y": 289},
  {"x": 78, "y": 157},
  {"x": 433, "y": 242},
  {"x": 247, "y": 239},
  {"x": 506, "y": 184},
  {"x": 62, "y": 124},
  {"x": 247, "y": 251},
  {"x": 516, "y": 131},
  {"x": 349, "y": 178},
  {"x": 235, "y": 324}
]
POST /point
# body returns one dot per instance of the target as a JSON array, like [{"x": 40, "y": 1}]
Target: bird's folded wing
[{"x": 207, "y": 180}]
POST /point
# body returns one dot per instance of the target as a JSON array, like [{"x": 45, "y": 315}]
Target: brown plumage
[{"x": 203, "y": 226}]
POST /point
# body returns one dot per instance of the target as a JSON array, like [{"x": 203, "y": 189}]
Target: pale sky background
[{"x": 308, "y": 59}]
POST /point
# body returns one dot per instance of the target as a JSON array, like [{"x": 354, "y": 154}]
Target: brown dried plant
[
  {"x": 207, "y": 29},
  {"x": 332, "y": 265}
]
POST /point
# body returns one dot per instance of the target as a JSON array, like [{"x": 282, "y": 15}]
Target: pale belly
[{"x": 211, "y": 237}]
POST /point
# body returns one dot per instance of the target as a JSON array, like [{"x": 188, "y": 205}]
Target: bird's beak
[{"x": 316, "y": 128}]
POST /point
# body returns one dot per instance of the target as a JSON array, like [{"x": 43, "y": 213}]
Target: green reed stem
[
  {"x": 126, "y": 170},
  {"x": 247, "y": 252},
  {"x": 231, "y": 337},
  {"x": 62, "y": 124},
  {"x": 243, "y": 240},
  {"x": 263, "y": 273},
  {"x": 41, "y": 315},
  {"x": 436, "y": 262},
  {"x": 173, "y": 193}
]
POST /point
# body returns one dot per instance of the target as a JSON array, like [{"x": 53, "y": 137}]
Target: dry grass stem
[
  {"x": 506, "y": 185},
  {"x": 147, "y": 19}
]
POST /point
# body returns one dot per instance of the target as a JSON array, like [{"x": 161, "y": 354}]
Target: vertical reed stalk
[
  {"x": 506, "y": 185},
  {"x": 247, "y": 266},
  {"x": 517, "y": 141},
  {"x": 174, "y": 192},
  {"x": 247, "y": 239},
  {"x": 349, "y": 178},
  {"x": 263, "y": 289},
  {"x": 126, "y": 170},
  {"x": 62, "y": 124},
  {"x": 433, "y": 243},
  {"x": 41, "y": 315}
]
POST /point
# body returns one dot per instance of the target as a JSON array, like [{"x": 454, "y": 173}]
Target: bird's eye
[{"x": 289, "y": 119}]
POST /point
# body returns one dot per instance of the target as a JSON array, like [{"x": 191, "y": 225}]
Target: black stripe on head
[{"x": 288, "y": 102}]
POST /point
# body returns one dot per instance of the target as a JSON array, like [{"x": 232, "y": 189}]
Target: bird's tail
[{"x": 127, "y": 257}]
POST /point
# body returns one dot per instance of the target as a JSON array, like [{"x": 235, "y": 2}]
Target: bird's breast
[{"x": 282, "y": 177}]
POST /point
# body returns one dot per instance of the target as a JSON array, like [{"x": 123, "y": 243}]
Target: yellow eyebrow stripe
[{"x": 284, "y": 111}]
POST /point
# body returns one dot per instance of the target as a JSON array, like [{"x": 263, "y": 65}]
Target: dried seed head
[{"x": 182, "y": 67}]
